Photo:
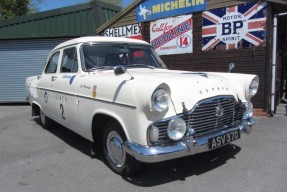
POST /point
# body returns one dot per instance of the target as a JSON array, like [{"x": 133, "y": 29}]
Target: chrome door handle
[{"x": 53, "y": 78}]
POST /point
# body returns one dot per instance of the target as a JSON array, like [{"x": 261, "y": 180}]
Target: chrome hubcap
[{"x": 116, "y": 149}]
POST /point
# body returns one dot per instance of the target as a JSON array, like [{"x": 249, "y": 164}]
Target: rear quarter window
[{"x": 53, "y": 63}]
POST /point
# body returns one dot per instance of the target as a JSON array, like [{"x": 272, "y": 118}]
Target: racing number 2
[{"x": 62, "y": 108}]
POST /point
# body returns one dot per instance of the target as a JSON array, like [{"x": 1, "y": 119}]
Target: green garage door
[{"x": 18, "y": 60}]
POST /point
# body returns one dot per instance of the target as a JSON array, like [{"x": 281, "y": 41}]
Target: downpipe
[{"x": 274, "y": 54}]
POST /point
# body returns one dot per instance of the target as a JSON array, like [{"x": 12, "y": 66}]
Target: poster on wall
[
  {"x": 172, "y": 35},
  {"x": 234, "y": 27},
  {"x": 152, "y": 10},
  {"x": 131, "y": 31}
]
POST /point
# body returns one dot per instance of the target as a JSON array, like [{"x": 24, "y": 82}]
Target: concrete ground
[{"x": 33, "y": 159}]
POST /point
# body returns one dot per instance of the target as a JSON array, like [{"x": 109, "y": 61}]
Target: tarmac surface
[{"x": 34, "y": 159}]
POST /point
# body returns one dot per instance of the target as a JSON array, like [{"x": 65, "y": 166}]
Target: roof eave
[{"x": 117, "y": 16}]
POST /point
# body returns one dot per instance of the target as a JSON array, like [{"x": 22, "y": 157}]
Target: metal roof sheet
[{"x": 72, "y": 21}]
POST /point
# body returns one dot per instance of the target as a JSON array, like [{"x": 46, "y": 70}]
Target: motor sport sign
[
  {"x": 131, "y": 31},
  {"x": 172, "y": 35},
  {"x": 234, "y": 27}
]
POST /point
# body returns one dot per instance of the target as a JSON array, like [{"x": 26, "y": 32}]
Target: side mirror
[
  {"x": 120, "y": 69},
  {"x": 231, "y": 67}
]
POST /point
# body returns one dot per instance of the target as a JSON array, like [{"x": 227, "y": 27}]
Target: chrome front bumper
[{"x": 182, "y": 148}]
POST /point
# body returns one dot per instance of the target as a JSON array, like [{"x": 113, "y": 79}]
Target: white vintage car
[{"x": 118, "y": 93}]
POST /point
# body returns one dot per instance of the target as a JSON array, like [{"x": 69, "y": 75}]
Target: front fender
[{"x": 240, "y": 83}]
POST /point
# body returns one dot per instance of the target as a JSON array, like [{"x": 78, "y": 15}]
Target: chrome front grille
[{"x": 202, "y": 118}]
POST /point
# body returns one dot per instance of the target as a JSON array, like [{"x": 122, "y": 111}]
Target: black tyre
[
  {"x": 46, "y": 122},
  {"x": 116, "y": 157}
]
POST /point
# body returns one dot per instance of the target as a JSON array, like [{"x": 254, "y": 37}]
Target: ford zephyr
[{"x": 118, "y": 94}]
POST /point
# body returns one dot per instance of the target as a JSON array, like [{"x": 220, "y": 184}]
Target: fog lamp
[{"x": 176, "y": 129}]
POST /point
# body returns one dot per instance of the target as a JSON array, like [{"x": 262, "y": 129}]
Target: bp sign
[{"x": 234, "y": 27}]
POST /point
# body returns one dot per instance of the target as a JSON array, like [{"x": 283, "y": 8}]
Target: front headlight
[
  {"x": 160, "y": 100},
  {"x": 176, "y": 129},
  {"x": 248, "y": 110},
  {"x": 253, "y": 87}
]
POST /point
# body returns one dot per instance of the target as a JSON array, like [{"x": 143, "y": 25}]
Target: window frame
[
  {"x": 75, "y": 59},
  {"x": 158, "y": 61},
  {"x": 50, "y": 59}
]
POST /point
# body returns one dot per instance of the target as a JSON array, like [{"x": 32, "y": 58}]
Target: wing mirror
[
  {"x": 120, "y": 69},
  {"x": 231, "y": 67}
]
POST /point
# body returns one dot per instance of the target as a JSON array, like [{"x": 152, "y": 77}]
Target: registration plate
[{"x": 223, "y": 139}]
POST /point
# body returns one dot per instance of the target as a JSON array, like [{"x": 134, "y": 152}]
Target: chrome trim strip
[
  {"x": 182, "y": 148},
  {"x": 52, "y": 90},
  {"x": 90, "y": 98}
]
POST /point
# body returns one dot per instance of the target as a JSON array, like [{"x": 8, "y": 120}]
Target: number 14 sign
[{"x": 172, "y": 35}]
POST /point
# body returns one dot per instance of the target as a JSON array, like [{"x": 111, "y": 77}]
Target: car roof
[{"x": 99, "y": 39}]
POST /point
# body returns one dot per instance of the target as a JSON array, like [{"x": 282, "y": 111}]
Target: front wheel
[{"x": 117, "y": 158}]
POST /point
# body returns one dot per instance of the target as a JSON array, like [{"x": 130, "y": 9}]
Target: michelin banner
[
  {"x": 172, "y": 35},
  {"x": 152, "y": 10},
  {"x": 234, "y": 27}
]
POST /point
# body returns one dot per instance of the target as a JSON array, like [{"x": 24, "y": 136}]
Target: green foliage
[
  {"x": 34, "y": 6},
  {"x": 12, "y": 8}
]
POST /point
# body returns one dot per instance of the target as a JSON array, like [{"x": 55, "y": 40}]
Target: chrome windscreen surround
[{"x": 207, "y": 116}]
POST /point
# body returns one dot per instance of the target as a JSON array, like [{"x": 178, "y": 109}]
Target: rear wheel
[{"x": 117, "y": 158}]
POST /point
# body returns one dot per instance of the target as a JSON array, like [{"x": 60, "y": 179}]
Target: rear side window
[
  {"x": 53, "y": 63},
  {"x": 69, "y": 61}
]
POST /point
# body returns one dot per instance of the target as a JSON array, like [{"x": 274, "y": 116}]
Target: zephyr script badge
[{"x": 219, "y": 111}]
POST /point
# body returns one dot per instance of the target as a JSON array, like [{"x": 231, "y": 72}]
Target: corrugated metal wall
[{"x": 18, "y": 60}]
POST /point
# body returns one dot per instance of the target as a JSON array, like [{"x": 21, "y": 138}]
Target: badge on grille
[{"x": 219, "y": 111}]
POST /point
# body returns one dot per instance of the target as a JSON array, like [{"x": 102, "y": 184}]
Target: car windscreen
[{"x": 107, "y": 56}]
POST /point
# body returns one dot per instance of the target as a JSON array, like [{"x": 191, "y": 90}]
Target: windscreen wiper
[
  {"x": 140, "y": 65},
  {"x": 100, "y": 67}
]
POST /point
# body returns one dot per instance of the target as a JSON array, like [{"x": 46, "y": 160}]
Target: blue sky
[{"x": 54, "y": 4}]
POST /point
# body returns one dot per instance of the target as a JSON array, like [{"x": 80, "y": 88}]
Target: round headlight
[
  {"x": 160, "y": 100},
  {"x": 253, "y": 87},
  {"x": 176, "y": 129}
]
